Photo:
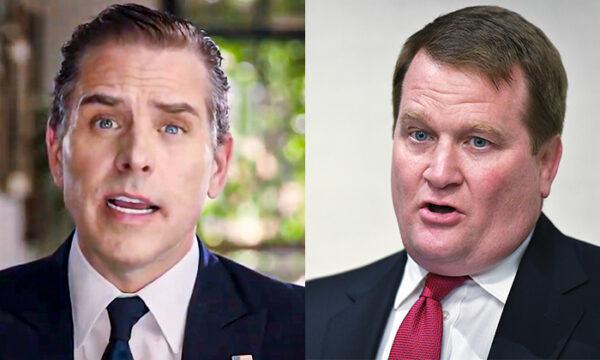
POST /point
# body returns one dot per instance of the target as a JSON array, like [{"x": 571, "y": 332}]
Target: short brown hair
[
  {"x": 491, "y": 40},
  {"x": 135, "y": 23}
]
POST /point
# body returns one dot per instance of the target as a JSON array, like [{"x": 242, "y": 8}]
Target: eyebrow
[
  {"x": 487, "y": 129},
  {"x": 473, "y": 127},
  {"x": 411, "y": 116},
  {"x": 108, "y": 100},
  {"x": 176, "y": 108},
  {"x": 98, "y": 98}
]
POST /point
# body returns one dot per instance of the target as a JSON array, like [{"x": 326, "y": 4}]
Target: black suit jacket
[
  {"x": 232, "y": 311},
  {"x": 552, "y": 311}
]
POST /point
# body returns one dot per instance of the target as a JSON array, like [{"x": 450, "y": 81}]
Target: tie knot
[
  {"x": 438, "y": 286},
  {"x": 123, "y": 314}
]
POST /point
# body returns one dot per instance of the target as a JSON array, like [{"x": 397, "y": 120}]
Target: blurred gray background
[{"x": 351, "y": 50}]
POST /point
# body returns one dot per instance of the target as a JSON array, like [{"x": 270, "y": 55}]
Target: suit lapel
[
  {"x": 542, "y": 308},
  {"x": 356, "y": 331},
  {"x": 219, "y": 322}
]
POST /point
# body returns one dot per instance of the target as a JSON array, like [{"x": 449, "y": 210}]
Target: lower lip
[
  {"x": 129, "y": 218},
  {"x": 439, "y": 219}
]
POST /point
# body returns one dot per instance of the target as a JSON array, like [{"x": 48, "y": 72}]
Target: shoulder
[
  {"x": 556, "y": 264},
  {"x": 21, "y": 283},
  {"x": 284, "y": 302},
  {"x": 26, "y": 291},
  {"x": 329, "y": 295},
  {"x": 36, "y": 284},
  {"x": 564, "y": 273},
  {"x": 330, "y": 291},
  {"x": 589, "y": 254},
  {"x": 589, "y": 259},
  {"x": 565, "y": 253},
  {"x": 580, "y": 261},
  {"x": 356, "y": 279},
  {"x": 259, "y": 289}
]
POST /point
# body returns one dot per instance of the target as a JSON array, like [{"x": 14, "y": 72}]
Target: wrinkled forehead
[
  {"x": 123, "y": 70},
  {"x": 497, "y": 78},
  {"x": 464, "y": 82}
]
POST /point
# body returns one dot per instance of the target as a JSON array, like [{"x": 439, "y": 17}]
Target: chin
[
  {"x": 435, "y": 247},
  {"x": 125, "y": 248},
  {"x": 131, "y": 258},
  {"x": 437, "y": 254}
]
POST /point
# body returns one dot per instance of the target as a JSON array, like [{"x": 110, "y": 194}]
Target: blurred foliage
[
  {"x": 259, "y": 218},
  {"x": 248, "y": 14}
]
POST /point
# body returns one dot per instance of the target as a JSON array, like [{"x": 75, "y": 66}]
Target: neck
[{"x": 131, "y": 277}]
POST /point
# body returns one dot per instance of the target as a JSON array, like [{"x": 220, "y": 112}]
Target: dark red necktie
[{"x": 420, "y": 334}]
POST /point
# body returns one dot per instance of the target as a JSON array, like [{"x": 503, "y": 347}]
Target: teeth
[
  {"x": 128, "y": 199},
  {"x": 130, "y": 211}
]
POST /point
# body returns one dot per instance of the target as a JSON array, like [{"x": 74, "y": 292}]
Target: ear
[
  {"x": 54, "y": 151},
  {"x": 221, "y": 159},
  {"x": 549, "y": 159}
]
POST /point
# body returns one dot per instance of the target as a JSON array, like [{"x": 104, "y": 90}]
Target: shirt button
[{"x": 446, "y": 315}]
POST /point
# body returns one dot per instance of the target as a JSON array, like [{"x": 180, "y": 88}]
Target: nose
[
  {"x": 135, "y": 153},
  {"x": 444, "y": 170}
]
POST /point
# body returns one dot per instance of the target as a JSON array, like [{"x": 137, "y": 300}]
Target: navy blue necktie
[{"x": 123, "y": 314}]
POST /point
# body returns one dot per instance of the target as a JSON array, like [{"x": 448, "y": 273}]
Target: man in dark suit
[
  {"x": 138, "y": 136},
  {"x": 479, "y": 101}
]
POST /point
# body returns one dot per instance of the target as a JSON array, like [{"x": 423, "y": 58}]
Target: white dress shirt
[
  {"x": 471, "y": 312},
  {"x": 157, "y": 335}
]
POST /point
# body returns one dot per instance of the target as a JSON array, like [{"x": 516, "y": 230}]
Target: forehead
[
  {"x": 134, "y": 70},
  {"x": 433, "y": 86}
]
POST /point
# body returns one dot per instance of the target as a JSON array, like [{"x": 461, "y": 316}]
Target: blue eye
[
  {"x": 419, "y": 135},
  {"x": 172, "y": 129},
  {"x": 479, "y": 142},
  {"x": 105, "y": 123}
]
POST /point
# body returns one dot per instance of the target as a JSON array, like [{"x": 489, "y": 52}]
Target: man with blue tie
[
  {"x": 479, "y": 100},
  {"x": 137, "y": 138}
]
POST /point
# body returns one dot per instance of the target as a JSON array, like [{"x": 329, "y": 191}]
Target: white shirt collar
[
  {"x": 91, "y": 293},
  {"x": 497, "y": 281}
]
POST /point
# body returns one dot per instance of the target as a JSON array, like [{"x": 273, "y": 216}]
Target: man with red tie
[{"x": 479, "y": 102}]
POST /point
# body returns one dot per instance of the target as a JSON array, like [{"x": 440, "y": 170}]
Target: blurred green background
[{"x": 259, "y": 219}]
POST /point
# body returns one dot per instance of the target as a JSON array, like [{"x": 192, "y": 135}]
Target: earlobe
[
  {"x": 549, "y": 157},
  {"x": 54, "y": 152},
  {"x": 221, "y": 159}
]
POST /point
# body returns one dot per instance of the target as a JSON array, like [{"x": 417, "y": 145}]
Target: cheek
[
  {"x": 406, "y": 176},
  {"x": 507, "y": 187},
  {"x": 76, "y": 165},
  {"x": 84, "y": 163},
  {"x": 85, "y": 171},
  {"x": 189, "y": 178}
]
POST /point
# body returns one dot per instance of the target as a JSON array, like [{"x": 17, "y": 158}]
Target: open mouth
[
  {"x": 440, "y": 209},
  {"x": 440, "y": 214},
  {"x": 130, "y": 205}
]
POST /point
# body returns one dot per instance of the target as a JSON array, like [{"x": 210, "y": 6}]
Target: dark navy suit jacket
[
  {"x": 552, "y": 310},
  {"x": 232, "y": 311}
]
